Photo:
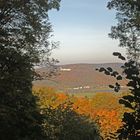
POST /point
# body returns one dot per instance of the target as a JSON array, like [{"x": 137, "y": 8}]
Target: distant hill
[{"x": 74, "y": 78}]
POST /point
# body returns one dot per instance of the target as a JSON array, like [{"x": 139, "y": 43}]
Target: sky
[{"x": 82, "y": 27}]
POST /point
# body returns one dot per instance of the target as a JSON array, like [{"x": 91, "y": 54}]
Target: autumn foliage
[{"x": 103, "y": 108}]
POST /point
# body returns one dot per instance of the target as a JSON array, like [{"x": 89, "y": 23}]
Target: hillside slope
[{"x": 81, "y": 78}]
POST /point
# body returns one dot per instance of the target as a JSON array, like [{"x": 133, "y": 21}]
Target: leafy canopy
[{"x": 24, "y": 33}]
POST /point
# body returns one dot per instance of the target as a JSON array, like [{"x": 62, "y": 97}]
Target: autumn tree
[{"x": 24, "y": 33}]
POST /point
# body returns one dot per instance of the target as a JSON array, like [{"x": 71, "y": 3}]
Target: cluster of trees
[
  {"x": 62, "y": 119},
  {"x": 103, "y": 108},
  {"x": 64, "y": 123}
]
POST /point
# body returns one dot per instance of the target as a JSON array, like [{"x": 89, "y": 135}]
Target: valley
[{"x": 81, "y": 78}]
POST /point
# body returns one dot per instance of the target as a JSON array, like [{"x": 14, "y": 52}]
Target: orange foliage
[
  {"x": 82, "y": 106},
  {"x": 108, "y": 120},
  {"x": 49, "y": 97},
  {"x": 103, "y": 108},
  {"x": 61, "y": 96}
]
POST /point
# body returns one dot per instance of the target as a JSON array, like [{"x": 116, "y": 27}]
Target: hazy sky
[{"x": 82, "y": 27}]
